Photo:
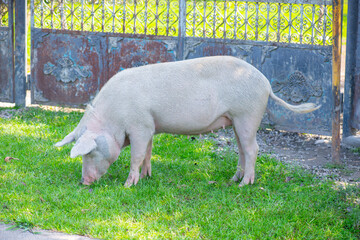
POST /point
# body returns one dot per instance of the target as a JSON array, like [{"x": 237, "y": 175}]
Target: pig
[{"x": 188, "y": 97}]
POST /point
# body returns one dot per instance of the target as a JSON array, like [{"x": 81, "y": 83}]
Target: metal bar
[
  {"x": 103, "y": 16},
  {"x": 156, "y": 17},
  {"x": 267, "y": 21},
  {"x": 279, "y": 20},
  {"x": 167, "y": 17},
  {"x": 194, "y": 17},
  {"x": 235, "y": 21},
  {"x": 92, "y": 16},
  {"x": 32, "y": 15},
  {"x": 301, "y": 22},
  {"x": 353, "y": 18},
  {"x": 63, "y": 23},
  {"x": 124, "y": 15},
  {"x": 182, "y": 30},
  {"x": 224, "y": 35},
  {"x": 313, "y": 24},
  {"x": 204, "y": 20},
  {"x": 214, "y": 18},
  {"x": 20, "y": 53},
  {"x": 246, "y": 21},
  {"x": 82, "y": 15},
  {"x": 114, "y": 16},
  {"x": 72, "y": 14},
  {"x": 145, "y": 25},
  {"x": 336, "y": 63},
  {"x": 32, "y": 64},
  {"x": 324, "y": 28},
  {"x": 290, "y": 22},
  {"x": 42, "y": 13},
  {"x": 134, "y": 17},
  {"x": 52, "y": 14}
]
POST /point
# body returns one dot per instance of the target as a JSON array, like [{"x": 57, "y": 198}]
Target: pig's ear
[
  {"x": 68, "y": 139},
  {"x": 84, "y": 145}
]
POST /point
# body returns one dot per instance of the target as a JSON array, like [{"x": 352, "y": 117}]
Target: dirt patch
[
  {"x": 312, "y": 152},
  {"x": 8, "y": 113}
]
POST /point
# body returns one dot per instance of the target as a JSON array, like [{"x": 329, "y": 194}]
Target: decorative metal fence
[
  {"x": 77, "y": 45},
  {"x": 294, "y": 21}
]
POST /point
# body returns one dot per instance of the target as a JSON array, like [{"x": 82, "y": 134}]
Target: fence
[{"x": 78, "y": 44}]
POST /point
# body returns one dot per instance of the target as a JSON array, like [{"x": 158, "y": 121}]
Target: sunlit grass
[{"x": 189, "y": 195}]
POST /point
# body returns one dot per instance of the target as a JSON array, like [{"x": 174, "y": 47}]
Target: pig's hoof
[
  {"x": 247, "y": 180},
  {"x": 133, "y": 179},
  {"x": 237, "y": 177},
  {"x": 145, "y": 171}
]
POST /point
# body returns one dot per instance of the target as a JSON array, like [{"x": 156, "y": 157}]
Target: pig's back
[{"x": 192, "y": 92}]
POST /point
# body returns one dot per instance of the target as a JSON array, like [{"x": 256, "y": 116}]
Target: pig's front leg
[
  {"x": 146, "y": 167},
  {"x": 139, "y": 145}
]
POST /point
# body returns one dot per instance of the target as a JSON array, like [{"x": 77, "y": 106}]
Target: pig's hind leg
[
  {"x": 140, "y": 144},
  {"x": 246, "y": 128},
  {"x": 241, "y": 163},
  {"x": 146, "y": 167}
]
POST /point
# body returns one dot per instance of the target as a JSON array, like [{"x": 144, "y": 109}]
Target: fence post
[
  {"x": 182, "y": 30},
  {"x": 352, "y": 60},
  {"x": 20, "y": 53},
  {"x": 336, "y": 62}
]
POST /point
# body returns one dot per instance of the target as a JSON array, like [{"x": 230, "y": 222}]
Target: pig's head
[{"x": 98, "y": 150}]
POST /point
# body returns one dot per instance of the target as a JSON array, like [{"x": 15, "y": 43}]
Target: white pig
[{"x": 186, "y": 97}]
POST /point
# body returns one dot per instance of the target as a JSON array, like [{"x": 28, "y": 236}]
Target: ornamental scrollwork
[
  {"x": 3, "y": 35},
  {"x": 297, "y": 88},
  {"x": 66, "y": 71}
]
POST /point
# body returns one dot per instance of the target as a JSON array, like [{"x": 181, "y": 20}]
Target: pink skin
[
  {"x": 96, "y": 162},
  {"x": 186, "y": 97}
]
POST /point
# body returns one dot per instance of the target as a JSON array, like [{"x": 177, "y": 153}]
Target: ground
[{"x": 312, "y": 152}]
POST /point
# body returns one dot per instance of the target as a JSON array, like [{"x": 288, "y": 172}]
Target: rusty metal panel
[
  {"x": 6, "y": 53},
  {"x": 66, "y": 68},
  {"x": 300, "y": 76},
  {"x": 71, "y": 67},
  {"x": 199, "y": 47},
  {"x": 125, "y": 52}
]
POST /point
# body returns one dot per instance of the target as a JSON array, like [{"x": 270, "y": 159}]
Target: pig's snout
[{"x": 86, "y": 181}]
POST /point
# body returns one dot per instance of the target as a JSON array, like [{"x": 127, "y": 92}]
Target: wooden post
[
  {"x": 336, "y": 63},
  {"x": 20, "y": 53}
]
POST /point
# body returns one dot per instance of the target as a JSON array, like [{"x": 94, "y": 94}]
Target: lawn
[{"x": 189, "y": 195}]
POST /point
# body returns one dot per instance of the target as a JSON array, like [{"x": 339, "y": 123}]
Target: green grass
[{"x": 42, "y": 190}]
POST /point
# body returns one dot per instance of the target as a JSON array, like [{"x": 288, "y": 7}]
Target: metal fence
[{"x": 296, "y": 21}]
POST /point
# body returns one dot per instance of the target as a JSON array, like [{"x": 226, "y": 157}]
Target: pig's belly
[{"x": 189, "y": 125}]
